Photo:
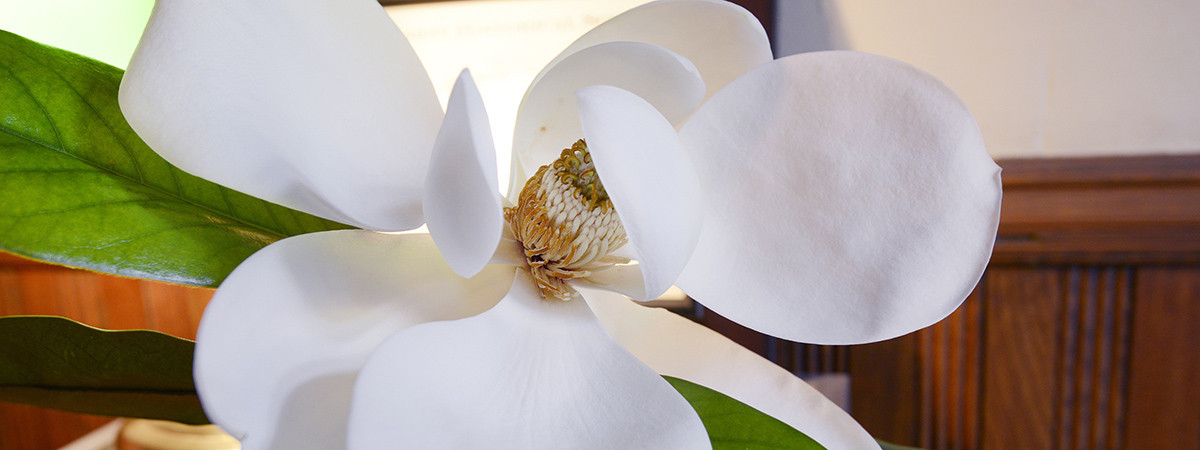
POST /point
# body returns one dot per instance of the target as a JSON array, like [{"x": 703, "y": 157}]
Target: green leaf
[
  {"x": 734, "y": 425},
  {"x": 79, "y": 188},
  {"x": 57, "y": 363}
]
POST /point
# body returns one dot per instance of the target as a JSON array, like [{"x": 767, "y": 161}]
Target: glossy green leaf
[
  {"x": 78, "y": 187},
  {"x": 57, "y": 363},
  {"x": 734, "y": 425}
]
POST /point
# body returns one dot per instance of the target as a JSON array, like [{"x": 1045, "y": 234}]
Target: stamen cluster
[{"x": 566, "y": 222}]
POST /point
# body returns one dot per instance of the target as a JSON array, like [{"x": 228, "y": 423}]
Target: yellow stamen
[{"x": 566, "y": 222}]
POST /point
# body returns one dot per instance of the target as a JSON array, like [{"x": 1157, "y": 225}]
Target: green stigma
[{"x": 574, "y": 166}]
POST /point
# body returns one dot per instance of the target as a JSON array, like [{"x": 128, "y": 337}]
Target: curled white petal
[
  {"x": 649, "y": 178},
  {"x": 547, "y": 120},
  {"x": 720, "y": 38},
  {"x": 462, "y": 206}
]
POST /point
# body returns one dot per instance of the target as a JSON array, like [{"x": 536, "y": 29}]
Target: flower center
[{"x": 566, "y": 223}]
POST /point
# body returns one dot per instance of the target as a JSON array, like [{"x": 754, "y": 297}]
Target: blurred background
[{"x": 1084, "y": 330}]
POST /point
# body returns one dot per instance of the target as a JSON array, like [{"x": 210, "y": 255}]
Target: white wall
[
  {"x": 107, "y": 30},
  {"x": 1044, "y": 78},
  {"x": 505, "y": 44}
]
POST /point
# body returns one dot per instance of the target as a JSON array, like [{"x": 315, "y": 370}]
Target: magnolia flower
[{"x": 829, "y": 198}]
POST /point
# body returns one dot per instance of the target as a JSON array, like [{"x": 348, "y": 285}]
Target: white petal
[
  {"x": 319, "y": 105},
  {"x": 625, "y": 279},
  {"x": 848, "y": 199},
  {"x": 675, "y": 346},
  {"x": 284, "y": 337},
  {"x": 651, "y": 181},
  {"x": 547, "y": 121},
  {"x": 526, "y": 374},
  {"x": 509, "y": 251},
  {"x": 720, "y": 38},
  {"x": 462, "y": 206}
]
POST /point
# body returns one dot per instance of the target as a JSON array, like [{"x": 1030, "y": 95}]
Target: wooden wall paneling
[
  {"x": 27, "y": 427},
  {"x": 10, "y": 299},
  {"x": 950, "y": 367},
  {"x": 752, "y": 340},
  {"x": 1020, "y": 361},
  {"x": 809, "y": 358},
  {"x": 1079, "y": 256},
  {"x": 171, "y": 309},
  {"x": 1035, "y": 358},
  {"x": 1164, "y": 382},
  {"x": 885, "y": 384},
  {"x": 1093, "y": 354},
  {"x": 1120, "y": 327},
  {"x": 1114, "y": 211}
]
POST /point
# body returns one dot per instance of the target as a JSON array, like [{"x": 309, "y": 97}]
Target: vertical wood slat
[
  {"x": 1057, "y": 358},
  {"x": 98, "y": 300},
  {"x": 1067, "y": 375},
  {"x": 885, "y": 384},
  {"x": 1020, "y": 362},
  {"x": 950, "y": 360},
  {"x": 1119, "y": 391},
  {"x": 1164, "y": 382},
  {"x": 809, "y": 358},
  {"x": 1057, "y": 354},
  {"x": 1095, "y": 329}
]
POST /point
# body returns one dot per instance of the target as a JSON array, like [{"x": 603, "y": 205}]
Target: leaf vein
[
  {"x": 37, "y": 102},
  {"x": 103, "y": 119}
]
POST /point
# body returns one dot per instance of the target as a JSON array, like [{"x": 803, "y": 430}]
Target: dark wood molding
[
  {"x": 1123, "y": 170},
  {"x": 1143, "y": 210}
]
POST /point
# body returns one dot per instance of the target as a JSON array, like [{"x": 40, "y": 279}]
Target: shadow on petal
[{"x": 319, "y": 404}]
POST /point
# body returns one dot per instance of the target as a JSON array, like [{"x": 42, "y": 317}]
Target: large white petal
[
  {"x": 675, "y": 346},
  {"x": 649, "y": 178},
  {"x": 528, "y": 373},
  {"x": 462, "y": 205},
  {"x": 720, "y": 38},
  {"x": 547, "y": 121},
  {"x": 848, "y": 199},
  {"x": 284, "y": 337},
  {"x": 319, "y": 105}
]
